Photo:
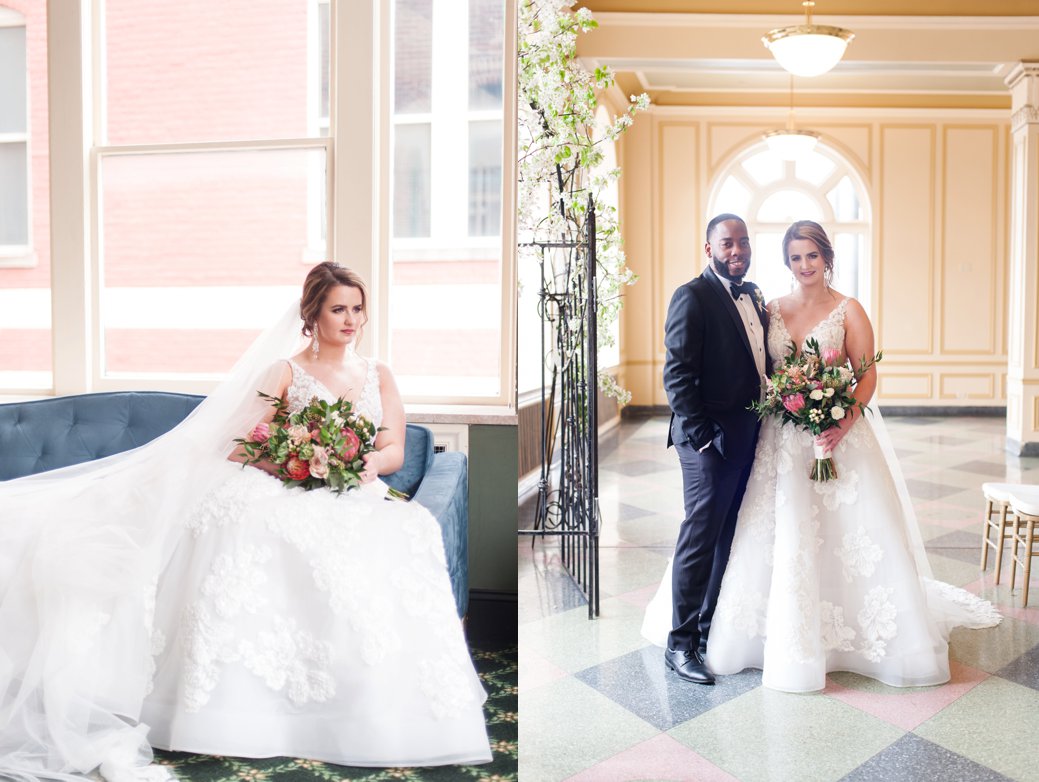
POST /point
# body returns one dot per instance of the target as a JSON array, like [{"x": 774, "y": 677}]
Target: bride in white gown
[
  {"x": 827, "y": 576},
  {"x": 173, "y": 598}
]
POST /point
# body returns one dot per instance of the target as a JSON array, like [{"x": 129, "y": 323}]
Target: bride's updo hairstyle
[
  {"x": 813, "y": 232},
  {"x": 320, "y": 280}
]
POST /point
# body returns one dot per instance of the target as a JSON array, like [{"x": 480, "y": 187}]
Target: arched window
[{"x": 771, "y": 193}]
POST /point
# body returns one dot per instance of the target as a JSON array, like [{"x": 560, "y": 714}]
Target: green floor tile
[
  {"x": 575, "y": 727},
  {"x": 995, "y": 724},
  {"x": 768, "y": 736},
  {"x": 572, "y": 642},
  {"x": 992, "y": 648}
]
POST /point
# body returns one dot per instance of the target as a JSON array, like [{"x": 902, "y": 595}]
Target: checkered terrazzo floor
[{"x": 597, "y": 706}]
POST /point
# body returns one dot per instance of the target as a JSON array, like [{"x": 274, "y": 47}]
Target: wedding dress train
[
  {"x": 166, "y": 595},
  {"x": 827, "y": 576}
]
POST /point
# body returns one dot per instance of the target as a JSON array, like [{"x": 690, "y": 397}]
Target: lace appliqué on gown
[{"x": 305, "y": 387}]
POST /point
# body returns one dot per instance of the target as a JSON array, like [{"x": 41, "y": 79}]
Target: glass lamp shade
[
  {"x": 808, "y": 49},
  {"x": 791, "y": 144}
]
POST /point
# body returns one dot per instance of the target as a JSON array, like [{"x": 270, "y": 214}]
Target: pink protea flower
[
  {"x": 793, "y": 402},
  {"x": 831, "y": 356},
  {"x": 351, "y": 445},
  {"x": 261, "y": 433},
  {"x": 297, "y": 469}
]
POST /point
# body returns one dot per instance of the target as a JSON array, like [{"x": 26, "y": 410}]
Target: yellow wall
[{"x": 937, "y": 186}]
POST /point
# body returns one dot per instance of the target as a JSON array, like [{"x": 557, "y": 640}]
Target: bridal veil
[{"x": 81, "y": 551}]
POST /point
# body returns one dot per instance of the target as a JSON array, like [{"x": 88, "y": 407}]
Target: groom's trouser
[{"x": 713, "y": 490}]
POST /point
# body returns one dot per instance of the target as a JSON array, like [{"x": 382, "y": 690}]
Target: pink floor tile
[
  {"x": 660, "y": 757},
  {"x": 909, "y": 708},
  {"x": 639, "y": 597},
  {"x": 536, "y": 671}
]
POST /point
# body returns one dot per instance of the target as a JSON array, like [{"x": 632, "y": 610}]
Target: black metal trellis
[{"x": 569, "y": 509}]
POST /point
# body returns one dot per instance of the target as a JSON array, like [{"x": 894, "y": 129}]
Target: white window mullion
[
  {"x": 356, "y": 127},
  {"x": 69, "y": 73}
]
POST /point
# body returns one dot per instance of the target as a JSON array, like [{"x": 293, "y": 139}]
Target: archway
[{"x": 770, "y": 193}]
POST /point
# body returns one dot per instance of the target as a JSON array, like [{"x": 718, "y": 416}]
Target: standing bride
[
  {"x": 174, "y": 597},
  {"x": 827, "y": 576}
]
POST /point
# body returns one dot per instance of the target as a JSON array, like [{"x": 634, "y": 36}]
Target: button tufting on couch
[{"x": 45, "y": 434}]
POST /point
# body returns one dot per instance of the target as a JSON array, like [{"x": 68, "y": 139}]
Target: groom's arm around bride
[{"x": 714, "y": 337}]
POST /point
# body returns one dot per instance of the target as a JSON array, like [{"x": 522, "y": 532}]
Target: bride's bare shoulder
[{"x": 851, "y": 304}]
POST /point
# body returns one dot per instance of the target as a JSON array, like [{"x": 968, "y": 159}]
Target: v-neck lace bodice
[
  {"x": 304, "y": 387},
  {"x": 829, "y": 332}
]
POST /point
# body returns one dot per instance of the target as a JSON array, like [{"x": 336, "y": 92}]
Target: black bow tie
[{"x": 743, "y": 287}]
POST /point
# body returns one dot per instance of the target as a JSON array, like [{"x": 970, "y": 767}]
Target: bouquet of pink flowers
[
  {"x": 323, "y": 444},
  {"x": 813, "y": 390}
]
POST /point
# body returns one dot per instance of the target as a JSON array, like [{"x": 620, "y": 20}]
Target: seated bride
[{"x": 193, "y": 595}]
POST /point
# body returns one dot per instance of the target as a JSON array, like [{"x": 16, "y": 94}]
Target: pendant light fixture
[
  {"x": 791, "y": 143},
  {"x": 808, "y": 49}
]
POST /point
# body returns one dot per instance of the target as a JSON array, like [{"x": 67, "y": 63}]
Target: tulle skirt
[{"x": 314, "y": 625}]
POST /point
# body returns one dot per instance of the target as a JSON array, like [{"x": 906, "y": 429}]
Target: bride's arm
[
  {"x": 858, "y": 345},
  {"x": 388, "y": 456},
  {"x": 239, "y": 454}
]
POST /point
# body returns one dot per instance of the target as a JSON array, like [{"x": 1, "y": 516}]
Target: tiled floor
[{"x": 597, "y": 705}]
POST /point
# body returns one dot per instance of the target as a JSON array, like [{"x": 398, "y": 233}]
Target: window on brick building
[
  {"x": 25, "y": 297},
  {"x": 14, "y": 141}
]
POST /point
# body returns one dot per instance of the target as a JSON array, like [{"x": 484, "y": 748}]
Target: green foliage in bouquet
[
  {"x": 813, "y": 390},
  {"x": 321, "y": 446}
]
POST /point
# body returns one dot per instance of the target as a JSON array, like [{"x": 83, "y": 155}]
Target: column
[
  {"x": 1023, "y": 295},
  {"x": 71, "y": 116}
]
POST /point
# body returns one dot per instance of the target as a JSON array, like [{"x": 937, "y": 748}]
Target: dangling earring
[{"x": 314, "y": 347}]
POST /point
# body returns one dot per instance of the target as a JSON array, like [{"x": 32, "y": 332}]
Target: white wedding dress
[
  {"x": 827, "y": 576},
  {"x": 313, "y": 624},
  {"x": 168, "y": 596}
]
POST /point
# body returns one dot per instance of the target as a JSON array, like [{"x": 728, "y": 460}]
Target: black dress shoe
[
  {"x": 702, "y": 648},
  {"x": 688, "y": 665}
]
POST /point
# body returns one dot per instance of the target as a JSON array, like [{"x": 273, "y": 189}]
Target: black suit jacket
[{"x": 709, "y": 372}]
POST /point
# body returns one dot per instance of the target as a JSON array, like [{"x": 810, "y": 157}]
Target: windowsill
[
  {"x": 488, "y": 415},
  {"x": 26, "y": 397},
  {"x": 17, "y": 257}
]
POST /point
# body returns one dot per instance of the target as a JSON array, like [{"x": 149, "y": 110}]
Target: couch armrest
[{"x": 444, "y": 492}]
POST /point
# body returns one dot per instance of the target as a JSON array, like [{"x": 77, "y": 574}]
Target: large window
[
  {"x": 220, "y": 150},
  {"x": 445, "y": 277},
  {"x": 212, "y": 177},
  {"x": 25, "y": 300},
  {"x": 771, "y": 193}
]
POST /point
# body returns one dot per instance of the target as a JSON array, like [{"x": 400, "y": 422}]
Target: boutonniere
[{"x": 759, "y": 300}]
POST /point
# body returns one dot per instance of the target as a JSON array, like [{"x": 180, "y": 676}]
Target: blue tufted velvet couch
[{"x": 45, "y": 434}]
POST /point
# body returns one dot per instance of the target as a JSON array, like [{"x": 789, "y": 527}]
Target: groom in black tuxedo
[{"x": 714, "y": 368}]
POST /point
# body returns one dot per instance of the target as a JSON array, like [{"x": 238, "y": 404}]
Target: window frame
[{"x": 759, "y": 193}]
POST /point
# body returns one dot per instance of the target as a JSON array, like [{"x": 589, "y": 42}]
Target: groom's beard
[{"x": 721, "y": 268}]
